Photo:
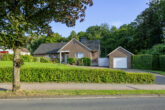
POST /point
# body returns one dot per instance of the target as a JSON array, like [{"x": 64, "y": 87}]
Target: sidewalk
[{"x": 83, "y": 86}]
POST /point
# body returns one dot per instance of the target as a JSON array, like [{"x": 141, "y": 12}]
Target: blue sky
[{"x": 112, "y": 12}]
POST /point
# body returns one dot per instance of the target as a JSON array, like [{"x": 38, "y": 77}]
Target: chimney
[{"x": 83, "y": 39}]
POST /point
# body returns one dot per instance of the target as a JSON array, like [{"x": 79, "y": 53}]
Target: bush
[
  {"x": 84, "y": 62},
  {"x": 57, "y": 60},
  {"x": 7, "y": 57},
  {"x": 31, "y": 74},
  {"x": 142, "y": 61},
  {"x": 72, "y": 61},
  {"x": 35, "y": 59},
  {"x": 162, "y": 62},
  {"x": 45, "y": 60},
  {"x": 27, "y": 58}
]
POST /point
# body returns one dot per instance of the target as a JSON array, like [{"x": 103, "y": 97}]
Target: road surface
[{"x": 85, "y": 104}]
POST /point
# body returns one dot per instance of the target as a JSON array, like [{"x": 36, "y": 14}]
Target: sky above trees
[{"x": 112, "y": 12}]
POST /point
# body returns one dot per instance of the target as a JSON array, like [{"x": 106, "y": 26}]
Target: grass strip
[{"x": 36, "y": 93}]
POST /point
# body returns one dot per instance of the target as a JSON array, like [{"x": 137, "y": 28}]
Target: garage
[{"x": 120, "y": 58}]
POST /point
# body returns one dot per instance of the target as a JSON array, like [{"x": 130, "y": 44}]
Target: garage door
[
  {"x": 120, "y": 62},
  {"x": 104, "y": 62}
]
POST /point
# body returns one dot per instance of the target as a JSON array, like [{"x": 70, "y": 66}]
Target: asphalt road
[{"x": 85, "y": 104}]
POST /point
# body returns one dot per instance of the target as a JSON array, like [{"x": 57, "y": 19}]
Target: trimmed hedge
[
  {"x": 142, "y": 61},
  {"x": 32, "y": 74},
  {"x": 45, "y": 60},
  {"x": 162, "y": 62},
  {"x": 84, "y": 61},
  {"x": 72, "y": 61},
  {"x": 25, "y": 58},
  {"x": 7, "y": 57}
]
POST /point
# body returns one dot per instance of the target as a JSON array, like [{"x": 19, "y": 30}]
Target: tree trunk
[{"x": 16, "y": 71}]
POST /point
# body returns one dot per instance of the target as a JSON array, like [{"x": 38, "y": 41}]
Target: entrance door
[{"x": 66, "y": 57}]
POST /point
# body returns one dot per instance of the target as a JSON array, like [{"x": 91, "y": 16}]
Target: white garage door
[
  {"x": 103, "y": 62},
  {"x": 120, "y": 62}
]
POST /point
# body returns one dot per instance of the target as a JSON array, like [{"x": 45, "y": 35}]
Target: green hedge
[
  {"x": 45, "y": 60},
  {"x": 76, "y": 75},
  {"x": 25, "y": 58},
  {"x": 84, "y": 61},
  {"x": 142, "y": 61},
  {"x": 72, "y": 61},
  {"x": 162, "y": 62},
  {"x": 7, "y": 57}
]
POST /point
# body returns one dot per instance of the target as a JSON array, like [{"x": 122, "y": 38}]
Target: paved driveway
[{"x": 160, "y": 79}]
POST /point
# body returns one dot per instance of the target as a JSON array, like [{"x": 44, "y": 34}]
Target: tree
[
  {"x": 73, "y": 35},
  {"x": 54, "y": 38},
  {"x": 35, "y": 42},
  {"x": 150, "y": 25},
  {"x": 22, "y": 18}
]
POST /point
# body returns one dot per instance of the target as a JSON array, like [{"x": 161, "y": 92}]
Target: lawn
[
  {"x": 54, "y": 93},
  {"x": 36, "y": 64},
  {"x": 157, "y": 71}
]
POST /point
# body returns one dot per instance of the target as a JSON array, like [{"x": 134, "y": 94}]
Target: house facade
[{"x": 71, "y": 49}]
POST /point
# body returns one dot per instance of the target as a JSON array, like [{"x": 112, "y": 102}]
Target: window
[{"x": 79, "y": 55}]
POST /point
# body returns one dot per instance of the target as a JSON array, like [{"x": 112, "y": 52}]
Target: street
[{"x": 155, "y": 103}]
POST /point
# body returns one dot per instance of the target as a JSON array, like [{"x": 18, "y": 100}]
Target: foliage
[
  {"x": 142, "y": 61},
  {"x": 150, "y": 62},
  {"x": 84, "y": 62},
  {"x": 73, "y": 35},
  {"x": 7, "y": 57},
  {"x": 57, "y": 60},
  {"x": 72, "y": 61},
  {"x": 55, "y": 38},
  {"x": 162, "y": 63},
  {"x": 44, "y": 73},
  {"x": 44, "y": 60},
  {"x": 27, "y": 58},
  {"x": 35, "y": 42},
  {"x": 156, "y": 49}
]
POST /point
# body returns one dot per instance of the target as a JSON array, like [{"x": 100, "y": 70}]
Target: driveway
[{"x": 160, "y": 79}]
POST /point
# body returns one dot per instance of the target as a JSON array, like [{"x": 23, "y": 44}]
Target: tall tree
[
  {"x": 54, "y": 38},
  {"x": 19, "y": 18},
  {"x": 73, "y": 35}
]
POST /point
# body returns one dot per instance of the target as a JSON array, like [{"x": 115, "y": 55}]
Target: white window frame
[{"x": 79, "y": 55}]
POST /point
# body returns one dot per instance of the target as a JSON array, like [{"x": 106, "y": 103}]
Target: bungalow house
[{"x": 71, "y": 49}]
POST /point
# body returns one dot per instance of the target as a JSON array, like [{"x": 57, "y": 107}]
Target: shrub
[
  {"x": 72, "y": 61},
  {"x": 57, "y": 60},
  {"x": 35, "y": 59},
  {"x": 142, "y": 61},
  {"x": 84, "y": 62},
  {"x": 44, "y": 60},
  {"x": 162, "y": 62},
  {"x": 27, "y": 58},
  {"x": 7, "y": 57},
  {"x": 31, "y": 74}
]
